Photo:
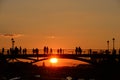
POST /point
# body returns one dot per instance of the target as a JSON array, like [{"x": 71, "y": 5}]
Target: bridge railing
[{"x": 67, "y": 51}]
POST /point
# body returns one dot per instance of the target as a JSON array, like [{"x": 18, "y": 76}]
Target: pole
[
  {"x": 12, "y": 43},
  {"x": 113, "y": 43},
  {"x": 108, "y": 44}
]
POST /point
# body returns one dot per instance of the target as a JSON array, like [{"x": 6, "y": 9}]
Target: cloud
[
  {"x": 51, "y": 37},
  {"x": 10, "y": 35}
]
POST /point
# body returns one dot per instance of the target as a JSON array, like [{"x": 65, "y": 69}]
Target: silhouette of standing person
[
  {"x": 60, "y": 50},
  {"x": 25, "y": 51},
  {"x": 76, "y": 50},
  {"x": 90, "y": 51},
  {"x": 51, "y": 51},
  {"x": 8, "y": 52},
  {"x": 47, "y": 50},
  {"x": 44, "y": 49},
  {"x": 37, "y": 52},
  {"x": 3, "y": 50},
  {"x": 33, "y": 51},
  {"x": 80, "y": 50},
  {"x": 16, "y": 51}
]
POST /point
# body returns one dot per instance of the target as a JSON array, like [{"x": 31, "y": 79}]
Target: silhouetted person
[
  {"x": 90, "y": 51},
  {"x": 37, "y": 52},
  {"x": 8, "y": 52},
  {"x": 3, "y": 50},
  {"x": 24, "y": 51},
  {"x": 76, "y": 50},
  {"x": 80, "y": 50},
  {"x": 16, "y": 51},
  {"x": 45, "y": 49},
  {"x": 60, "y": 50},
  {"x": 51, "y": 51},
  {"x": 20, "y": 50}
]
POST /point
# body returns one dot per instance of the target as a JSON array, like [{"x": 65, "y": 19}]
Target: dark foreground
[{"x": 27, "y": 71}]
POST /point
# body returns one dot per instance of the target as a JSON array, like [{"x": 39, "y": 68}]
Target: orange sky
[{"x": 63, "y": 23}]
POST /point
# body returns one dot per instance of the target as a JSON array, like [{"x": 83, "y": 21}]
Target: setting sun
[{"x": 53, "y": 60}]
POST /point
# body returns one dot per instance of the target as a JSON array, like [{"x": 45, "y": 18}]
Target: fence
[{"x": 67, "y": 51}]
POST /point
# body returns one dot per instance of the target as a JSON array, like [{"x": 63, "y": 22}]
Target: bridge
[
  {"x": 93, "y": 58},
  {"x": 48, "y": 56}
]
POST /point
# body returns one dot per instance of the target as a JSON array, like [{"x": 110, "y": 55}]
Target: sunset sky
[{"x": 60, "y": 23}]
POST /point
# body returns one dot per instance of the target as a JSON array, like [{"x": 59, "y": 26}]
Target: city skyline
[{"x": 60, "y": 24}]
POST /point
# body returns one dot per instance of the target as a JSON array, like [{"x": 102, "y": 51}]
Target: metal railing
[{"x": 67, "y": 51}]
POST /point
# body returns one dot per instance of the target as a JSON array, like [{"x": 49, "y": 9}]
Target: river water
[{"x": 61, "y": 62}]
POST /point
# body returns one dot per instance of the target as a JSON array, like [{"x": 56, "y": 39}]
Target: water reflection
[{"x": 61, "y": 63}]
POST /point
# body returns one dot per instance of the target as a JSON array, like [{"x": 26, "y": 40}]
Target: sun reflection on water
[{"x": 59, "y": 62}]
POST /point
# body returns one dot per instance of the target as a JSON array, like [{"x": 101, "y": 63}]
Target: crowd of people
[
  {"x": 109, "y": 55},
  {"x": 78, "y": 50},
  {"x": 23, "y": 51},
  {"x": 14, "y": 51},
  {"x": 46, "y": 50}
]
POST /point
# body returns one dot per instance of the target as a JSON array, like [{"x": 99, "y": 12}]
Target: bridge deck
[{"x": 67, "y": 56}]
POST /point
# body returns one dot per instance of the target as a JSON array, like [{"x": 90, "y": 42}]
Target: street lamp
[
  {"x": 108, "y": 44},
  {"x": 113, "y": 43},
  {"x": 12, "y": 43}
]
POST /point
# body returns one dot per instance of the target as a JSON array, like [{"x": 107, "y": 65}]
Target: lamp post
[
  {"x": 108, "y": 44},
  {"x": 113, "y": 43},
  {"x": 12, "y": 43}
]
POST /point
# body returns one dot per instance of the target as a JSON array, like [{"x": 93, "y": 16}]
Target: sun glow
[{"x": 53, "y": 60}]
